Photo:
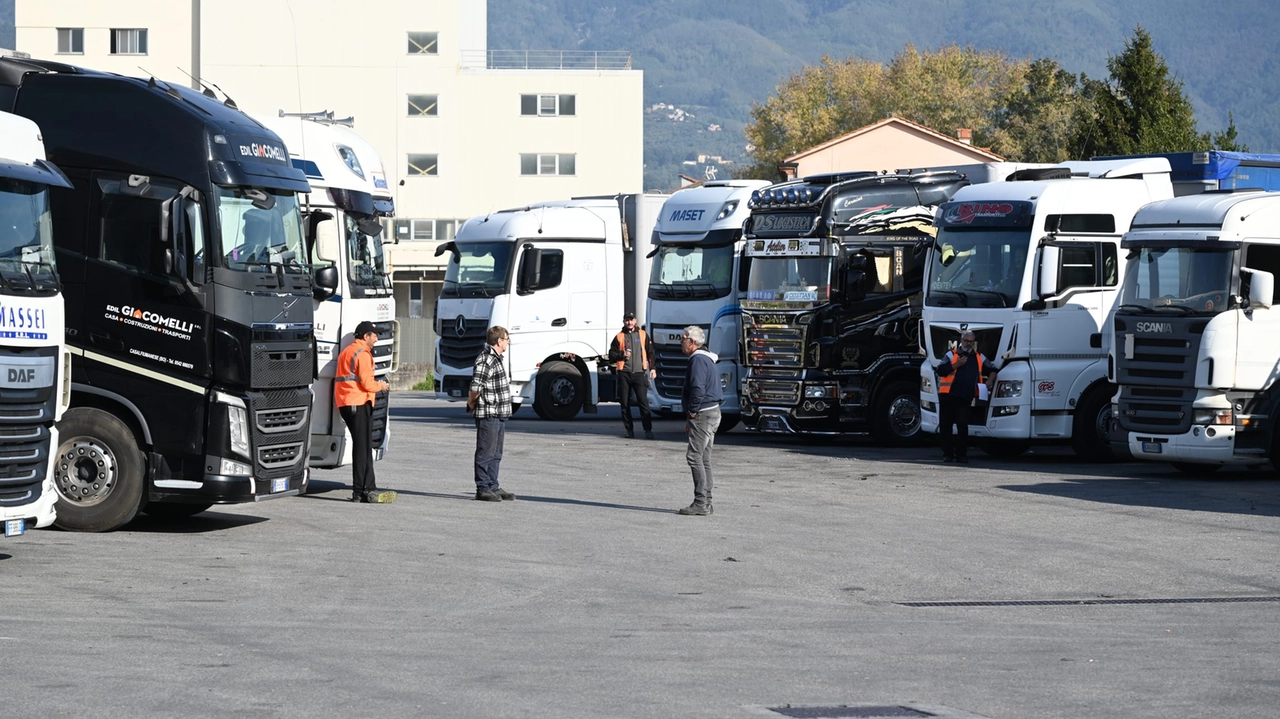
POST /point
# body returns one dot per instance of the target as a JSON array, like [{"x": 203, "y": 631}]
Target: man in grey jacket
[{"x": 701, "y": 401}]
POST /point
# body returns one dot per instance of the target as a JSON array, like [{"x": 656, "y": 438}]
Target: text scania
[
  {"x": 1155, "y": 326},
  {"x": 269, "y": 152},
  {"x": 686, "y": 216}
]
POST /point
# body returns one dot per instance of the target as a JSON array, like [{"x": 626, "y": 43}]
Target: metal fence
[
  {"x": 417, "y": 340},
  {"x": 547, "y": 59}
]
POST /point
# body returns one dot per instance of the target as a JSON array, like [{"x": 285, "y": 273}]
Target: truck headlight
[
  {"x": 726, "y": 380},
  {"x": 926, "y": 385},
  {"x": 1006, "y": 388},
  {"x": 239, "y": 430},
  {"x": 818, "y": 390},
  {"x": 1212, "y": 416}
]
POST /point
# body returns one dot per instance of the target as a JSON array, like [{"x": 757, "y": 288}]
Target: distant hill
[{"x": 712, "y": 58}]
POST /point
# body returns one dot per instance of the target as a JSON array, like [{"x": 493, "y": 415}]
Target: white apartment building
[{"x": 462, "y": 129}]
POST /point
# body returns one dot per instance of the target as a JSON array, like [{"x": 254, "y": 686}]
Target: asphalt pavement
[{"x": 871, "y": 581}]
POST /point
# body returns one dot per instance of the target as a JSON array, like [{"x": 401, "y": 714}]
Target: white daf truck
[
  {"x": 559, "y": 276},
  {"x": 1196, "y": 349},
  {"x": 696, "y": 279},
  {"x": 1032, "y": 266},
  {"x": 35, "y": 368},
  {"x": 342, "y": 217}
]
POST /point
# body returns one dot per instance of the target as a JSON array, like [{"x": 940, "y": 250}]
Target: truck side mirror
[
  {"x": 323, "y": 235},
  {"x": 326, "y": 283},
  {"x": 530, "y": 269},
  {"x": 1261, "y": 287},
  {"x": 855, "y": 278},
  {"x": 173, "y": 257},
  {"x": 1050, "y": 262}
]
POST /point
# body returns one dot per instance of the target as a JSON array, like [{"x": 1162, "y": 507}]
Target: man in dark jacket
[
  {"x": 701, "y": 401},
  {"x": 960, "y": 374},
  {"x": 632, "y": 355}
]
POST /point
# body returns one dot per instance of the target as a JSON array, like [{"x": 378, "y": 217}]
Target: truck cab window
[
  {"x": 1267, "y": 259},
  {"x": 256, "y": 239},
  {"x": 130, "y": 221}
]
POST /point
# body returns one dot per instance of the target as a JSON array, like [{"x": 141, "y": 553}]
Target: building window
[
  {"x": 425, "y": 230},
  {"x": 70, "y": 41},
  {"x": 547, "y": 164},
  {"x": 422, "y": 105},
  {"x": 548, "y": 105},
  {"x": 423, "y": 43},
  {"x": 423, "y": 165},
  {"x": 129, "y": 41}
]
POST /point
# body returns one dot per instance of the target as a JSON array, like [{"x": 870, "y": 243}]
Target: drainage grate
[
  {"x": 848, "y": 712},
  {"x": 1079, "y": 602}
]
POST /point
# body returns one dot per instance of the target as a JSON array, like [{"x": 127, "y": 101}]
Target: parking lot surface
[{"x": 831, "y": 574}]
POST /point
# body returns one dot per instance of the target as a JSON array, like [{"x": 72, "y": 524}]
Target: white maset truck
[
  {"x": 34, "y": 363},
  {"x": 698, "y": 278},
  {"x": 559, "y": 276},
  {"x": 342, "y": 216},
  {"x": 1032, "y": 266},
  {"x": 1196, "y": 352}
]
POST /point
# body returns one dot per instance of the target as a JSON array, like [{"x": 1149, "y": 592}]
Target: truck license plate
[
  {"x": 1152, "y": 447},
  {"x": 14, "y": 527},
  {"x": 279, "y": 485}
]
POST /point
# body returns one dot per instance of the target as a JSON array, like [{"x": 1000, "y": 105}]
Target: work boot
[
  {"x": 629, "y": 434},
  {"x": 380, "y": 496},
  {"x": 648, "y": 434},
  {"x": 695, "y": 510},
  {"x": 962, "y": 459},
  {"x": 504, "y": 494},
  {"x": 488, "y": 497}
]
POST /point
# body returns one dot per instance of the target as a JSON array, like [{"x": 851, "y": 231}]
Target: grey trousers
[{"x": 702, "y": 435}]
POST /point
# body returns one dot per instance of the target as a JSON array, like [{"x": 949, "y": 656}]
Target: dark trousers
[
  {"x": 954, "y": 410},
  {"x": 489, "y": 434},
  {"x": 360, "y": 421},
  {"x": 637, "y": 382}
]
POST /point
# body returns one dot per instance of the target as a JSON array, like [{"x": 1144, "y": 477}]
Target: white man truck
[
  {"x": 343, "y": 219},
  {"x": 1196, "y": 351},
  {"x": 34, "y": 364},
  {"x": 698, "y": 278},
  {"x": 559, "y": 276},
  {"x": 1032, "y": 267}
]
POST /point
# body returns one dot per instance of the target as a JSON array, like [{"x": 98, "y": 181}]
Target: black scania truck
[
  {"x": 189, "y": 313},
  {"x": 831, "y": 316}
]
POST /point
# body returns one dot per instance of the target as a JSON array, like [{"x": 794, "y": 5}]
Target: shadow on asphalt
[
  {"x": 316, "y": 488},
  {"x": 208, "y": 521},
  {"x": 1242, "y": 493}
]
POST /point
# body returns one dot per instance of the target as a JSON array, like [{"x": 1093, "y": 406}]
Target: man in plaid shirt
[{"x": 489, "y": 400}]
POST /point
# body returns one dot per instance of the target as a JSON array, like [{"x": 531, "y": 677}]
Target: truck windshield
[
  {"x": 980, "y": 267},
  {"x": 1181, "y": 279},
  {"x": 26, "y": 238},
  {"x": 691, "y": 273},
  {"x": 788, "y": 282},
  {"x": 366, "y": 263},
  {"x": 480, "y": 269},
  {"x": 256, "y": 239}
]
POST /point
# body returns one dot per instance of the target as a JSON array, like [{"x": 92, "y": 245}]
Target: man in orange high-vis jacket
[
  {"x": 354, "y": 391},
  {"x": 960, "y": 373},
  {"x": 632, "y": 355}
]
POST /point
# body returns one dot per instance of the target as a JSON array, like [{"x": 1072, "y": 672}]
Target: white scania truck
[
  {"x": 342, "y": 216},
  {"x": 559, "y": 276},
  {"x": 1196, "y": 348},
  {"x": 698, "y": 279},
  {"x": 1032, "y": 266},
  {"x": 34, "y": 363}
]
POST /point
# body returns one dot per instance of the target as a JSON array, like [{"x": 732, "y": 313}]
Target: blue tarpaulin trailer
[{"x": 1195, "y": 172}]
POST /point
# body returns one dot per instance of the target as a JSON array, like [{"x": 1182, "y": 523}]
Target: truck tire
[
  {"x": 174, "y": 510},
  {"x": 99, "y": 472},
  {"x": 559, "y": 393},
  {"x": 895, "y": 414},
  {"x": 728, "y": 422},
  {"x": 1093, "y": 418}
]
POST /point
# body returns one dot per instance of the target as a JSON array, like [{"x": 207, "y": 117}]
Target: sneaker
[
  {"x": 487, "y": 497},
  {"x": 695, "y": 510},
  {"x": 504, "y": 494},
  {"x": 629, "y": 435},
  {"x": 380, "y": 496},
  {"x": 648, "y": 434},
  {"x": 357, "y": 498}
]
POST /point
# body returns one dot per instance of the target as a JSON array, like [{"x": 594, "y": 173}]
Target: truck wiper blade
[
  {"x": 1003, "y": 302},
  {"x": 479, "y": 286},
  {"x": 1141, "y": 309},
  {"x": 964, "y": 299},
  {"x": 1181, "y": 308}
]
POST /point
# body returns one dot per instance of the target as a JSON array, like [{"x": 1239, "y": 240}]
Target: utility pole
[{"x": 195, "y": 45}]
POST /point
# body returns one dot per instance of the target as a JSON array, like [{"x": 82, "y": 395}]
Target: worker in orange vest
[
  {"x": 632, "y": 355},
  {"x": 961, "y": 374},
  {"x": 354, "y": 391}
]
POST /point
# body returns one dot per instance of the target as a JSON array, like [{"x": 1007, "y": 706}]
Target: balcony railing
[{"x": 547, "y": 59}]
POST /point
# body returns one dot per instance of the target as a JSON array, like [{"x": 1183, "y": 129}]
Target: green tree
[
  {"x": 1140, "y": 109},
  {"x": 1039, "y": 115},
  {"x": 1227, "y": 139}
]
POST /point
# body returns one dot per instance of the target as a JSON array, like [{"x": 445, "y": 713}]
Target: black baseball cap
[
  {"x": 629, "y": 316},
  {"x": 365, "y": 328}
]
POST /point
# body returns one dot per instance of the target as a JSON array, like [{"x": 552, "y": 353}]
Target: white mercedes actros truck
[
  {"x": 35, "y": 368},
  {"x": 1032, "y": 266},
  {"x": 559, "y": 276},
  {"x": 1196, "y": 348},
  {"x": 698, "y": 278},
  {"x": 342, "y": 216}
]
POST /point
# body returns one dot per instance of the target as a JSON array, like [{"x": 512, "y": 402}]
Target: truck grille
[
  {"x": 281, "y": 430},
  {"x": 1156, "y": 373},
  {"x": 461, "y": 351},
  {"x": 280, "y": 456},
  {"x": 774, "y": 346},
  {"x": 769, "y": 391},
  {"x": 280, "y": 364},
  {"x": 275, "y": 421},
  {"x": 673, "y": 369},
  {"x": 378, "y": 420}
]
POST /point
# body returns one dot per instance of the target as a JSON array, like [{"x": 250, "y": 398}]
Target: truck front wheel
[
  {"x": 895, "y": 414},
  {"x": 1090, "y": 434},
  {"x": 560, "y": 391},
  {"x": 98, "y": 472}
]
